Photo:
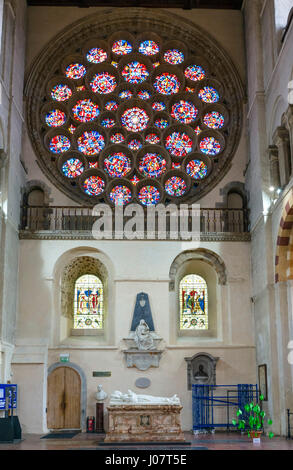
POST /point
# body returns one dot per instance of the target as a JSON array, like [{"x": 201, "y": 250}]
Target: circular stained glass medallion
[
  {"x": 149, "y": 48},
  {"x": 178, "y": 144},
  {"x": 175, "y": 186},
  {"x": 197, "y": 169},
  {"x": 91, "y": 143},
  {"x": 149, "y": 195},
  {"x": 120, "y": 195},
  {"x": 152, "y": 165},
  {"x": 94, "y": 185},
  {"x": 85, "y": 111},
  {"x": 135, "y": 72},
  {"x": 103, "y": 83},
  {"x": 75, "y": 71},
  {"x": 117, "y": 165},
  {"x": 72, "y": 168},
  {"x": 184, "y": 112},
  {"x": 167, "y": 84},
  {"x": 55, "y": 118},
  {"x": 135, "y": 119},
  {"x": 61, "y": 92}
]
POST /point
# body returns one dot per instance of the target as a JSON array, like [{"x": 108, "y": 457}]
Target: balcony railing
[{"x": 40, "y": 222}]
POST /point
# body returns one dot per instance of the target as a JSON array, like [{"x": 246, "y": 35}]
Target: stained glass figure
[
  {"x": 59, "y": 144},
  {"x": 117, "y": 165},
  {"x": 158, "y": 106},
  {"x": 197, "y": 169},
  {"x": 135, "y": 119},
  {"x": 55, "y": 118},
  {"x": 174, "y": 57},
  {"x": 184, "y": 112},
  {"x": 210, "y": 146},
  {"x": 194, "y": 73},
  {"x": 135, "y": 72},
  {"x": 125, "y": 94},
  {"x": 178, "y": 144},
  {"x": 149, "y": 48},
  {"x": 61, "y": 92},
  {"x": 111, "y": 105},
  {"x": 96, "y": 55},
  {"x": 80, "y": 88},
  {"x": 103, "y": 83},
  {"x": 134, "y": 144},
  {"x": 117, "y": 138},
  {"x": 88, "y": 303},
  {"x": 94, "y": 185},
  {"x": 176, "y": 166},
  {"x": 197, "y": 130},
  {"x": 85, "y": 110},
  {"x": 152, "y": 165},
  {"x": 114, "y": 63},
  {"x": 167, "y": 84},
  {"x": 175, "y": 186},
  {"x": 214, "y": 120},
  {"x": 75, "y": 71},
  {"x": 156, "y": 64},
  {"x": 161, "y": 123},
  {"x": 93, "y": 164},
  {"x": 190, "y": 89},
  {"x": 121, "y": 47},
  {"x": 120, "y": 195},
  {"x": 152, "y": 138},
  {"x": 108, "y": 122},
  {"x": 71, "y": 129},
  {"x": 209, "y": 94},
  {"x": 144, "y": 95},
  {"x": 193, "y": 300},
  {"x": 134, "y": 180},
  {"x": 91, "y": 143},
  {"x": 72, "y": 168},
  {"x": 149, "y": 195}
]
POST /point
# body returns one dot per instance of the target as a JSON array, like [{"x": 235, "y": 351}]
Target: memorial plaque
[
  {"x": 102, "y": 374},
  {"x": 143, "y": 382}
]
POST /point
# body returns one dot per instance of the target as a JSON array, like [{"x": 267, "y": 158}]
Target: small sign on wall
[{"x": 64, "y": 357}]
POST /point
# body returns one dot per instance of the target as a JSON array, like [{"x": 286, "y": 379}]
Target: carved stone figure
[
  {"x": 143, "y": 337},
  {"x": 101, "y": 395},
  {"x": 130, "y": 397}
]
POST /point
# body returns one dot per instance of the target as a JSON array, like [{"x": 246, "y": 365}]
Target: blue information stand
[{"x": 8, "y": 391}]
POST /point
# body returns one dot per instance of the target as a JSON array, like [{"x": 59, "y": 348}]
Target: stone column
[
  {"x": 281, "y": 140},
  {"x": 274, "y": 166}
]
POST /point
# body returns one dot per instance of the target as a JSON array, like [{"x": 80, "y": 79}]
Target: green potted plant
[{"x": 252, "y": 420}]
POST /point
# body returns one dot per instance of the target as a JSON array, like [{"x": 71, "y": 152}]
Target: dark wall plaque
[{"x": 102, "y": 374}]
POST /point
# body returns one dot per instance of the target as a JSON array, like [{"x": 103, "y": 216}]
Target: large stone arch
[
  {"x": 201, "y": 254},
  {"x": 284, "y": 250}
]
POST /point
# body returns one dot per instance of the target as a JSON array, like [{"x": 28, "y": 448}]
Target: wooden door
[{"x": 63, "y": 403}]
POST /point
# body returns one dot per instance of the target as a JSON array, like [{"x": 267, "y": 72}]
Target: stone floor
[{"x": 84, "y": 441}]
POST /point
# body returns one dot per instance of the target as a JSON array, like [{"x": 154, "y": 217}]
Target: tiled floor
[{"x": 84, "y": 441}]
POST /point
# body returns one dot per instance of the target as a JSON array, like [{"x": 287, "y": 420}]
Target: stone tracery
[{"x": 135, "y": 90}]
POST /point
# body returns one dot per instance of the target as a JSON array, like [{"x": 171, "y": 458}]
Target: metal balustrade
[{"x": 77, "y": 218}]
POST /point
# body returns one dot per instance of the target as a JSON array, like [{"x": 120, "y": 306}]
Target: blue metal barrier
[{"x": 207, "y": 398}]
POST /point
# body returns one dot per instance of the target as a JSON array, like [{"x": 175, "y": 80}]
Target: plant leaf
[{"x": 271, "y": 435}]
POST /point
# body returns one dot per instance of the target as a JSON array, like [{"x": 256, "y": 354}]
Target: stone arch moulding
[
  {"x": 76, "y": 268},
  {"x": 83, "y": 398},
  {"x": 200, "y": 254},
  {"x": 102, "y": 25},
  {"x": 284, "y": 250},
  {"x": 37, "y": 184},
  {"x": 233, "y": 186}
]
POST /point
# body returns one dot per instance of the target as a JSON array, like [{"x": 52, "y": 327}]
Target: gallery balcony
[{"x": 70, "y": 222}]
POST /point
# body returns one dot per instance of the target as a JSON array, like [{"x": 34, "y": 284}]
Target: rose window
[{"x": 135, "y": 118}]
